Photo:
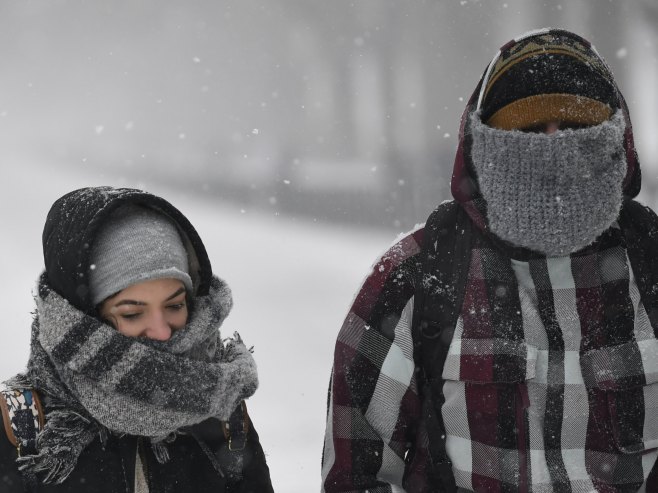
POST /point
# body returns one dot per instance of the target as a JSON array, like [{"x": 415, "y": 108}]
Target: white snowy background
[{"x": 300, "y": 137}]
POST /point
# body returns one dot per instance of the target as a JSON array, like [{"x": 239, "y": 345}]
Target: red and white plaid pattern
[{"x": 545, "y": 398}]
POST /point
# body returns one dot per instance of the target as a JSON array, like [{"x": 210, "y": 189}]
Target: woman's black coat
[{"x": 110, "y": 468}]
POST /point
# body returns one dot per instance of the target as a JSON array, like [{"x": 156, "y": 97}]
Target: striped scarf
[{"x": 95, "y": 379}]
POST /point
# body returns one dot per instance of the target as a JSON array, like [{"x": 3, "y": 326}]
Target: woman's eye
[
  {"x": 130, "y": 316},
  {"x": 176, "y": 307}
]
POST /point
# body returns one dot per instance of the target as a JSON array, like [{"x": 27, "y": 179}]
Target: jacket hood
[
  {"x": 464, "y": 186},
  {"x": 73, "y": 223}
]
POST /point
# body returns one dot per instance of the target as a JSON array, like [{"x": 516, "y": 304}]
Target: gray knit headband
[
  {"x": 551, "y": 193},
  {"x": 136, "y": 244}
]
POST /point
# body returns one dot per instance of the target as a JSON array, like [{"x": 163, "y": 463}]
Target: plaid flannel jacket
[{"x": 575, "y": 410}]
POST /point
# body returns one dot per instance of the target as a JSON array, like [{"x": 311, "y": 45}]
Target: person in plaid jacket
[{"x": 549, "y": 377}]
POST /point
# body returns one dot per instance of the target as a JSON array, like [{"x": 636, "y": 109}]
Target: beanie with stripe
[{"x": 550, "y": 76}]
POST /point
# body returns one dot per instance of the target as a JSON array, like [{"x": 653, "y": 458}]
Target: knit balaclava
[
  {"x": 551, "y": 193},
  {"x": 136, "y": 244}
]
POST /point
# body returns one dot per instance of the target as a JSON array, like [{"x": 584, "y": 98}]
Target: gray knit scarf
[
  {"x": 94, "y": 379},
  {"x": 550, "y": 193}
]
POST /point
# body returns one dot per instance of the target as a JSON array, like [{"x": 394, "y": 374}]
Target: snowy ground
[{"x": 292, "y": 283}]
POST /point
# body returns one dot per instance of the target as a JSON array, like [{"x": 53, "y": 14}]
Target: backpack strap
[
  {"x": 639, "y": 226},
  {"x": 228, "y": 460},
  {"x": 237, "y": 428},
  {"x": 445, "y": 257},
  {"x": 23, "y": 417}
]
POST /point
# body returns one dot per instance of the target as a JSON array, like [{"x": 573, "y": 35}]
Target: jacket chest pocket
[
  {"x": 490, "y": 361},
  {"x": 486, "y": 402},
  {"x": 622, "y": 383}
]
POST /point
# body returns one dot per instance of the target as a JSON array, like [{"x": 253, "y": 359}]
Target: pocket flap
[
  {"x": 622, "y": 366},
  {"x": 626, "y": 376},
  {"x": 490, "y": 361}
]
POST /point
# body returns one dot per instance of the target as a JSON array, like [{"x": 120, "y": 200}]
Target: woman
[{"x": 139, "y": 391}]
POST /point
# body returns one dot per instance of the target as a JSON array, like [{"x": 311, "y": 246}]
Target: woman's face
[{"x": 152, "y": 309}]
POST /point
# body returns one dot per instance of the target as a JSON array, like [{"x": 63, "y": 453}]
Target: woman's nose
[{"x": 158, "y": 329}]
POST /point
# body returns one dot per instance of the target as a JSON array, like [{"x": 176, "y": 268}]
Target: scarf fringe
[
  {"x": 68, "y": 433},
  {"x": 161, "y": 451}
]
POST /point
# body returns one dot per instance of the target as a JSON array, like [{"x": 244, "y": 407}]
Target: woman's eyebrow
[
  {"x": 141, "y": 303},
  {"x": 178, "y": 291},
  {"x": 130, "y": 302}
]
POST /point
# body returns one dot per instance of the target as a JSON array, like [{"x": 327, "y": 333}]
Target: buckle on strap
[
  {"x": 23, "y": 418},
  {"x": 237, "y": 428}
]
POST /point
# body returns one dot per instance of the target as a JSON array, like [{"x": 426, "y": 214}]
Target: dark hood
[
  {"x": 464, "y": 185},
  {"x": 71, "y": 227}
]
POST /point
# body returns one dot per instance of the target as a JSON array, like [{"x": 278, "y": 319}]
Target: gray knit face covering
[
  {"x": 94, "y": 379},
  {"x": 556, "y": 193}
]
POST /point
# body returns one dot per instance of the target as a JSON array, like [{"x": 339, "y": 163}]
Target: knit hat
[
  {"x": 136, "y": 244},
  {"x": 547, "y": 75}
]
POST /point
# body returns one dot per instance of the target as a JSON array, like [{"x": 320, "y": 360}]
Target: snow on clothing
[
  {"x": 565, "y": 367},
  {"x": 551, "y": 376},
  {"x": 99, "y": 386}
]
